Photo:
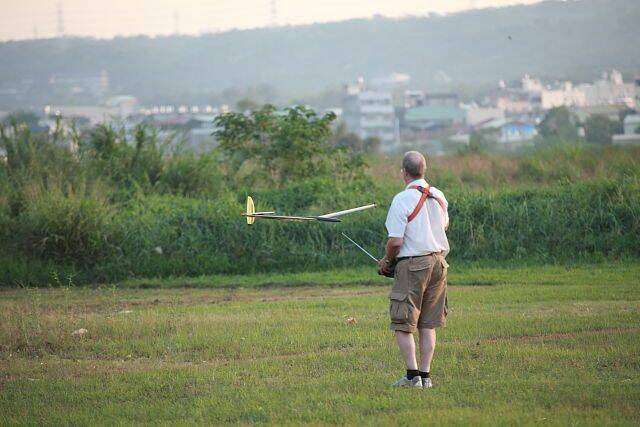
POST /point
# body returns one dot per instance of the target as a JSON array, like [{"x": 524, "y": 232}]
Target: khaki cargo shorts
[{"x": 419, "y": 294}]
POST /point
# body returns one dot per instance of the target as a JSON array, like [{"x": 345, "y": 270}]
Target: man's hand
[
  {"x": 383, "y": 266},
  {"x": 393, "y": 247}
]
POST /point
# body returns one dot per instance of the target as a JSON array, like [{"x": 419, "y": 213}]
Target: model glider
[{"x": 252, "y": 215}]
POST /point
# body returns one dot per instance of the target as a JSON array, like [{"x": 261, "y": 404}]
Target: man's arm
[{"x": 393, "y": 247}]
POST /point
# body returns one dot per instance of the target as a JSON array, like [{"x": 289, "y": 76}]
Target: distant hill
[{"x": 571, "y": 39}]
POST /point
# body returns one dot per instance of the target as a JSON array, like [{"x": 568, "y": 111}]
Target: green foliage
[
  {"x": 247, "y": 104},
  {"x": 127, "y": 205},
  {"x": 599, "y": 129},
  {"x": 559, "y": 123},
  {"x": 268, "y": 148},
  {"x": 197, "y": 237},
  {"x": 139, "y": 162},
  {"x": 65, "y": 228},
  {"x": 343, "y": 138}
]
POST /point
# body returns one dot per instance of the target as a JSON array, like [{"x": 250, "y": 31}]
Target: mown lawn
[{"x": 525, "y": 345}]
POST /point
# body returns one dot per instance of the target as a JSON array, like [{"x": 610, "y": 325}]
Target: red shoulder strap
[{"x": 423, "y": 198}]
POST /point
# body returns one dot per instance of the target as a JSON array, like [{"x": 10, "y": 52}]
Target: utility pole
[
  {"x": 273, "y": 13},
  {"x": 60, "y": 20}
]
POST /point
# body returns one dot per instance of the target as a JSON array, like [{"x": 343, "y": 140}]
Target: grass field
[{"x": 525, "y": 345}]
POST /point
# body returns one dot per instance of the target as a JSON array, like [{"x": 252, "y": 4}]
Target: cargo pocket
[
  {"x": 444, "y": 262},
  {"x": 446, "y": 305},
  {"x": 400, "y": 308}
]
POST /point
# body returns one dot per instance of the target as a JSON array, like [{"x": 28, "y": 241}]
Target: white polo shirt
[{"x": 426, "y": 232}]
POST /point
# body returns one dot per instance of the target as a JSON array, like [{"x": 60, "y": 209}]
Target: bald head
[{"x": 414, "y": 164}]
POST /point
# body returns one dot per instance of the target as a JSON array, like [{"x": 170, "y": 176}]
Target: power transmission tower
[
  {"x": 273, "y": 13},
  {"x": 60, "y": 20},
  {"x": 176, "y": 22}
]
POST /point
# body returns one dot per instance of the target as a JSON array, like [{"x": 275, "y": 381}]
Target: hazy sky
[{"x": 26, "y": 19}]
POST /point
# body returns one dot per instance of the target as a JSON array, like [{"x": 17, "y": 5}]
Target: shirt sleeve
[{"x": 396, "y": 219}]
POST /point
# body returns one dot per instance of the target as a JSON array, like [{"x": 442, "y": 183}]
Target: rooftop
[{"x": 434, "y": 112}]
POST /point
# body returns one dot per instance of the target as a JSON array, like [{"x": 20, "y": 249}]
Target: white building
[
  {"x": 565, "y": 95},
  {"x": 532, "y": 85},
  {"x": 370, "y": 113},
  {"x": 609, "y": 90}
]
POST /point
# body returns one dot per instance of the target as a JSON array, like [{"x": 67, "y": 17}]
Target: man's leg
[
  {"x": 427, "y": 346},
  {"x": 408, "y": 348}
]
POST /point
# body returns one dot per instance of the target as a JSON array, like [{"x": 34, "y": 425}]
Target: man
[{"x": 416, "y": 222}]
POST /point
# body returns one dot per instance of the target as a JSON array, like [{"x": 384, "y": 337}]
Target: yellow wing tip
[{"x": 251, "y": 209}]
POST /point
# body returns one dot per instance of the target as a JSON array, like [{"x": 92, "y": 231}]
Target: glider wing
[
  {"x": 251, "y": 214},
  {"x": 290, "y": 217},
  {"x": 348, "y": 211}
]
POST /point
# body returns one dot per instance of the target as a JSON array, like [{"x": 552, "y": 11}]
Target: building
[
  {"x": 510, "y": 131},
  {"x": 513, "y": 102},
  {"x": 631, "y": 133},
  {"x": 610, "y": 90},
  {"x": 369, "y": 113},
  {"x": 115, "y": 109},
  {"x": 125, "y": 105},
  {"x": 613, "y": 112},
  {"x": 565, "y": 95},
  {"x": 632, "y": 124},
  {"x": 413, "y": 98},
  {"x": 434, "y": 117},
  {"x": 476, "y": 115},
  {"x": 92, "y": 114},
  {"x": 517, "y": 131},
  {"x": 442, "y": 99}
]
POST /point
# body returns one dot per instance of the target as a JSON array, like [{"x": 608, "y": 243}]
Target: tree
[
  {"x": 599, "y": 129},
  {"x": 352, "y": 141},
  {"x": 559, "y": 123},
  {"x": 247, "y": 104},
  {"x": 269, "y": 147},
  {"x": 482, "y": 140}
]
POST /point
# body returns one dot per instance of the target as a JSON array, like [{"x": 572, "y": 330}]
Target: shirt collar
[{"x": 421, "y": 182}]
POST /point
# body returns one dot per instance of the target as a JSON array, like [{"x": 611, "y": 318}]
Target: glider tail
[{"x": 251, "y": 209}]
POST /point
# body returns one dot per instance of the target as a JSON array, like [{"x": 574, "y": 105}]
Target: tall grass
[
  {"x": 545, "y": 165},
  {"x": 171, "y": 235},
  {"x": 118, "y": 208}
]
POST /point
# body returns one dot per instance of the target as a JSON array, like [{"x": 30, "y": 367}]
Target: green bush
[
  {"x": 171, "y": 235},
  {"x": 53, "y": 226}
]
